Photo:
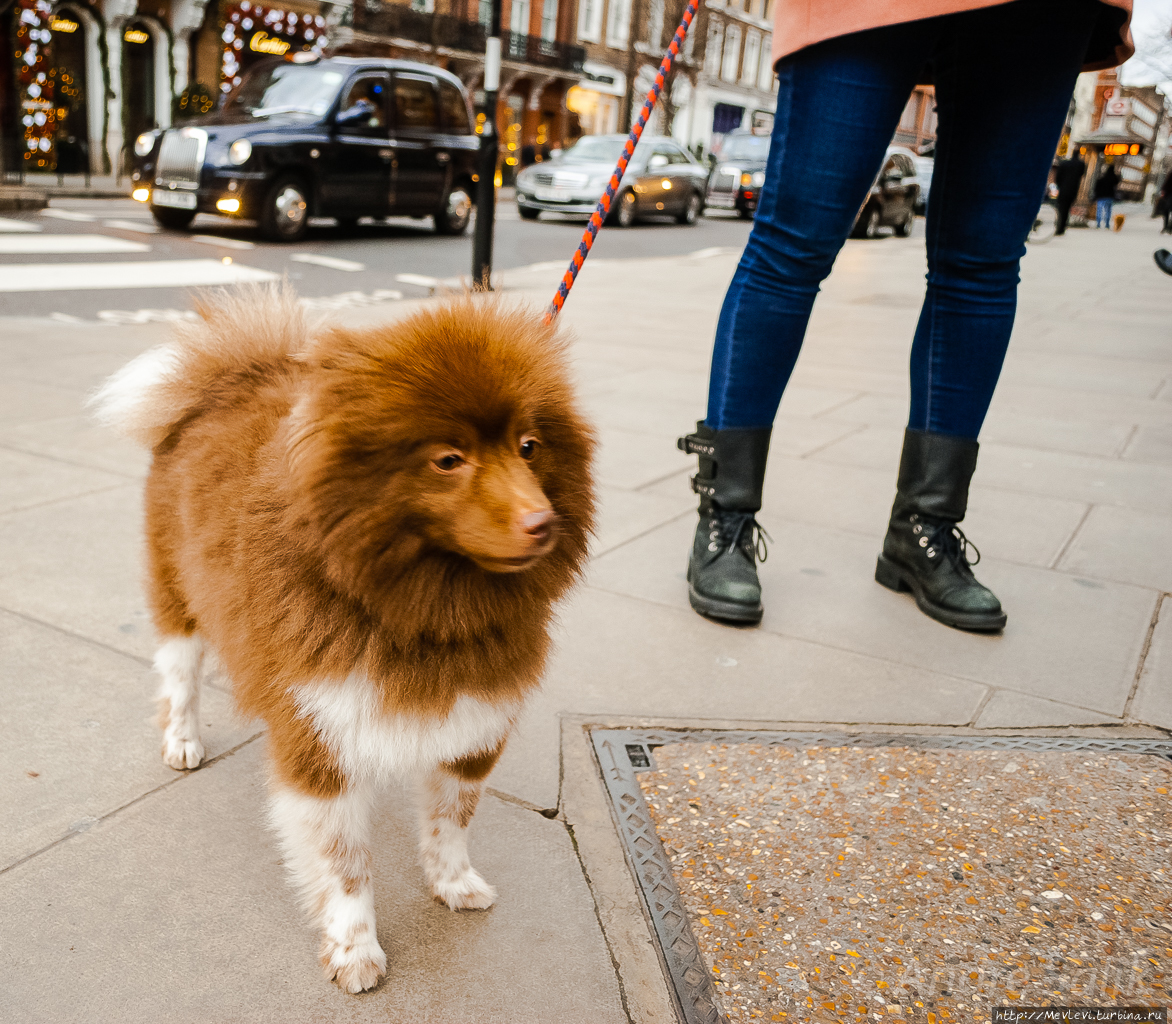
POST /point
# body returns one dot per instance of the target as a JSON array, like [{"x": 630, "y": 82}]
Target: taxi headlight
[
  {"x": 239, "y": 151},
  {"x": 758, "y": 178},
  {"x": 144, "y": 143}
]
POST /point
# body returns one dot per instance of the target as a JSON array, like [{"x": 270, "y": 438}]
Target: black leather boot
[
  {"x": 924, "y": 550},
  {"x": 722, "y": 568}
]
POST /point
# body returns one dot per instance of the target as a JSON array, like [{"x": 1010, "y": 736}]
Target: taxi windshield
[
  {"x": 745, "y": 147},
  {"x": 285, "y": 89}
]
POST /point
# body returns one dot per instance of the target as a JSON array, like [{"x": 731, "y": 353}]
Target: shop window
[
  {"x": 455, "y": 110},
  {"x": 35, "y": 84},
  {"x": 252, "y": 31},
  {"x": 138, "y": 82},
  {"x": 415, "y": 106},
  {"x": 69, "y": 60}
]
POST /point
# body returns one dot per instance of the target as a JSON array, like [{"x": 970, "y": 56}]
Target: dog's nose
[{"x": 538, "y": 525}]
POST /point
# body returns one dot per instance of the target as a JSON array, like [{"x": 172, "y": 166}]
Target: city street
[
  {"x": 135, "y": 893},
  {"x": 93, "y": 237}
]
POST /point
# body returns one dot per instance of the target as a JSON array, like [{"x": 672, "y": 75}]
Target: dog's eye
[
  {"x": 449, "y": 462},
  {"x": 528, "y": 447}
]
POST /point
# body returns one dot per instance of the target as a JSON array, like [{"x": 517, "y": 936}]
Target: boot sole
[
  {"x": 894, "y": 578},
  {"x": 722, "y": 611}
]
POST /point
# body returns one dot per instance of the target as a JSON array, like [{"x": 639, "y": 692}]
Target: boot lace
[
  {"x": 947, "y": 539},
  {"x": 728, "y": 530}
]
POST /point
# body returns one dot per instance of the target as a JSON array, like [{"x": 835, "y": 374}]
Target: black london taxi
[{"x": 340, "y": 137}]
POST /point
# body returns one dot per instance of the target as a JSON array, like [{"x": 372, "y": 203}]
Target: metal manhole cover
[{"x": 830, "y": 877}]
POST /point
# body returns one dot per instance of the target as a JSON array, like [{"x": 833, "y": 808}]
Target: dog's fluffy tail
[{"x": 250, "y": 329}]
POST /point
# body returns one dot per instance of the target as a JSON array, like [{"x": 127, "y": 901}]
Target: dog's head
[{"x": 442, "y": 467}]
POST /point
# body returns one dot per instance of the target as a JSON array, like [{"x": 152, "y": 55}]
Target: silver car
[{"x": 662, "y": 179}]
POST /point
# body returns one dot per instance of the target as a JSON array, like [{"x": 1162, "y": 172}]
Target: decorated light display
[
  {"x": 253, "y": 30},
  {"x": 35, "y": 81}
]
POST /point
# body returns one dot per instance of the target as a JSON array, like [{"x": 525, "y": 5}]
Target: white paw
[
  {"x": 181, "y": 754},
  {"x": 355, "y": 967},
  {"x": 467, "y": 891}
]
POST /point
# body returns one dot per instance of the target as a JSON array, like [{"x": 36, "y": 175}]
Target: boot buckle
[
  {"x": 694, "y": 444},
  {"x": 701, "y": 488}
]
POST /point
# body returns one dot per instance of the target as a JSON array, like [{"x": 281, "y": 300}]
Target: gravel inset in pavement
[{"x": 851, "y": 883}]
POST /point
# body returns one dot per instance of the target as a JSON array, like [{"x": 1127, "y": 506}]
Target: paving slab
[
  {"x": 1153, "y": 695},
  {"x": 1123, "y": 544},
  {"x": 178, "y": 909},
  {"x": 1068, "y": 638},
  {"x": 78, "y": 441},
  {"x": 76, "y": 564},
  {"x": 1151, "y": 444},
  {"x": 80, "y": 734},
  {"x": 27, "y": 481},
  {"x": 1006, "y": 709}
]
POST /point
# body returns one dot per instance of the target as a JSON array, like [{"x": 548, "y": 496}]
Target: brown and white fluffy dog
[{"x": 368, "y": 528}]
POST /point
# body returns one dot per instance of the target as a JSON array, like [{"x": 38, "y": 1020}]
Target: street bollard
[{"x": 486, "y": 167}]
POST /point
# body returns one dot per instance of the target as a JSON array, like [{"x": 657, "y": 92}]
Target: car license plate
[
  {"x": 180, "y": 200},
  {"x": 552, "y": 195}
]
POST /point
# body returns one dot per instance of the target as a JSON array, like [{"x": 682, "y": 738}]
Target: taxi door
[{"x": 358, "y": 179}]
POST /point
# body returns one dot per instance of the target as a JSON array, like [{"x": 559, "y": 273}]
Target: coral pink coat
[{"x": 800, "y": 23}]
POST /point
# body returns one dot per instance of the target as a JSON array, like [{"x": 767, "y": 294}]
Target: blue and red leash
[{"x": 603, "y": 207}]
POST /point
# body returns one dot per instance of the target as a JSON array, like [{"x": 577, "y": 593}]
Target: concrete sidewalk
[{"x": 133, "y": 893}]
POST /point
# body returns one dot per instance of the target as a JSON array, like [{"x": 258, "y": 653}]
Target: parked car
[
  {"x": 892, "y": 199},
  {"x": 924, "y": 166},
  {"x": 739, "y": 173},
  {"x": 662, "y": 178},
  {"x": 341, "y": 137}
]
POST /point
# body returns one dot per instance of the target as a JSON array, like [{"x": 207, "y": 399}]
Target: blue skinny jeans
[{"x": 1004, "y": 76}]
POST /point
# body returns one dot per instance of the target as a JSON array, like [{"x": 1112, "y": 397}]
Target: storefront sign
[
  {"x": 136, "y": 35},
  {"x": 252, "y": 30},
  {"x": 262, "y": 42},
  {"x": 63, "y": 25}
]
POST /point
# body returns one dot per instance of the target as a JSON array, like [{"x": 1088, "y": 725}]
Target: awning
[{"x": 1109, "y": 136}]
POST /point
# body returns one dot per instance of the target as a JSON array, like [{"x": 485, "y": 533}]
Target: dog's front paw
[
  {"x": 467, "y": 891},
  {"x": 181, "y": 754},
  {"x": 355, "y": 967}
]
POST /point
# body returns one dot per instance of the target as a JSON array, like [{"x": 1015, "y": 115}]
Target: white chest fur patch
[{"x": 371, "y": 745}]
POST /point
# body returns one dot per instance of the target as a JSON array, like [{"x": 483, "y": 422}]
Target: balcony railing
[{"x": 400, "y": 21}]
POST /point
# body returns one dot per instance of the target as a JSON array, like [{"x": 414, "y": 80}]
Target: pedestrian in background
[
  {"x": 845, "y": 71},
  {"x": 1164, "y": 203},
  {"x": 1105, "y": 189},
  {"x": 1067, "y": 179}
]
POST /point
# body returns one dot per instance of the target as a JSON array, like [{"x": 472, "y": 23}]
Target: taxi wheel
[
  {"x": 691, "y": 211},
  {"x": 173, "y": 220},
  {"x": 453, "y": 217},
  {"x": 904, "y": 227},
  {"x": 625, "y": 215},
  {"x": 284, "y": 216},
  {"x": 874, "y": 219}
]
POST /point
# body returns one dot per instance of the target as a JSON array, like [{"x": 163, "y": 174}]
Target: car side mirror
[{"x": 657, "y": 161}]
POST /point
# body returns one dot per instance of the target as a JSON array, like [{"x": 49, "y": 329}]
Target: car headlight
[
  {"x": 144, "y": 143},
  {"x": 239, "y": 151},
  {"x": 758, "y": 178}
]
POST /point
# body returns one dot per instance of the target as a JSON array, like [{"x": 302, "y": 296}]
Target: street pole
[{"x": 489, "y": 150}]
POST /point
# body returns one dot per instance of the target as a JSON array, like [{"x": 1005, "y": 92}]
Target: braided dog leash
[{"x": 603, "y": 207}]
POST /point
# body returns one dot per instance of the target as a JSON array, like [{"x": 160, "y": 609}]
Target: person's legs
[
  {"x": 1102, "y": 212},
  {"x": 838, "y": 105},
  {"x": 993, "y": 154},
  {"x": 1063, "y": 204}
]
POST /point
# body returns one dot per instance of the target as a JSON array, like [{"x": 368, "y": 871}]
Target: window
[
  {"x": 549, "y": 20},
  {"x": 911, "y": 113},
  {"x": 484, "y": 13},
  {"x": 455, "y": 110},
  {"x": 712, "y": 50},
  {"x": 423, "y": 6},
  {"x": 519, "y": 17},
  {"x": 590, "y": 21},
  {"x": 618, "y": 26},
  {"x": 655, "y": 25},
  {"x": 752, "y": 57},
  {"x": 765, "y": 71},
  {"x": 732, "y": 53},
  {"x": 368, "y": 95},
  {"x": 415, "y": 107}
]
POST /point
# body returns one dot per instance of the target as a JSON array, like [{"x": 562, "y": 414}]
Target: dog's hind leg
[
  {"x": 178, "y": 661},
  {"x": 324, "y": 840},
  {"x": 451, "y": 793}
]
